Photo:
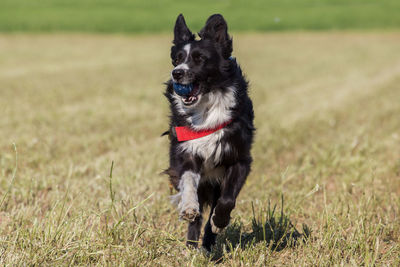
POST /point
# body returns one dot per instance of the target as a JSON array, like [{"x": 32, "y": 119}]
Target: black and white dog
[{"x": 211, "y": 128}]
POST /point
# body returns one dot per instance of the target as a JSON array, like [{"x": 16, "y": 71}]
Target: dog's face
[{"x": 203, "y": 63}]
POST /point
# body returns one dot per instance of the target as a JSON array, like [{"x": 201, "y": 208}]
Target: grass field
[
  {"x": 328, "y": 140},
  {"x": 159, "y": 15}
]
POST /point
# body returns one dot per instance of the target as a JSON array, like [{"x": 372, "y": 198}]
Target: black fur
[{"x": 212, "y": 70}]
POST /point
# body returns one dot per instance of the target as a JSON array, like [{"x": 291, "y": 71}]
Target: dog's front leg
[
  {"x": 188, "y": 203},
  {"x": 235, "y": 177}
]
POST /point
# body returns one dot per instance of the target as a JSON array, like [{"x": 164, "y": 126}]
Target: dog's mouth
[{"x": 193, "y": 97}]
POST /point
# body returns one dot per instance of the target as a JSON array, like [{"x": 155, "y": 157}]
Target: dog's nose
[{"x": 177, "y": 74}]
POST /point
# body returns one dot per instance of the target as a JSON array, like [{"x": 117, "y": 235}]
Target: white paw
[
  {"x": 189, "y": 210},
  {"x": 188, "y": 207},
  {"x": 189, "y": 214},
  {"x": 215, "y": 229}
]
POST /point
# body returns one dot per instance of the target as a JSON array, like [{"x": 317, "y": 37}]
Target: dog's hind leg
[{"x": 235, "y": 177}]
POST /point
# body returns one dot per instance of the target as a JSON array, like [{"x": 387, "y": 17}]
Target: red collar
[{"x": 184, "y": 133}]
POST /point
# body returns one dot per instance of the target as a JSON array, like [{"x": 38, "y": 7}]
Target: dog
[{"x": 211, "y": 127}]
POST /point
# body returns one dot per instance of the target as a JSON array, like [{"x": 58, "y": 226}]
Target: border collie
[{"x": 211, "y": 127}]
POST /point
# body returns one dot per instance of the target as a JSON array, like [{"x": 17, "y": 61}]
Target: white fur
[
  {"x": 187, "y": 50},
  {"x": 184, "y": 65},
  {"x": 187, "y": 199},
  {"x": 206, "y": 147},
  {"x": 213, "y": 110}
]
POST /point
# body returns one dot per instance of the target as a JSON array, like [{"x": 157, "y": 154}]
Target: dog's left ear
[{"x": 216, "y": 30}]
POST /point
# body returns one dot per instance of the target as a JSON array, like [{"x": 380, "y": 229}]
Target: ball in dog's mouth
[{"x": 183, "y": 89}]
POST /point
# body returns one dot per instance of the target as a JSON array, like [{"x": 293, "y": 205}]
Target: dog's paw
[
  {"x": 189, "y": 208},
  {"x": 215, "y": 229},
  {"x": 189, "y": 214}
]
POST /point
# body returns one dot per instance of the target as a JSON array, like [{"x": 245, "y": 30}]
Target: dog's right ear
[{"x": 181, "y": 31}]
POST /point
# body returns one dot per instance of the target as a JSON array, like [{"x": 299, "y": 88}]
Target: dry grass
[{"x": 328, "y": 139}]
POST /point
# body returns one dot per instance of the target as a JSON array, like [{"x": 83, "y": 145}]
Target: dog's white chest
[{"x": 207, "y": 147}]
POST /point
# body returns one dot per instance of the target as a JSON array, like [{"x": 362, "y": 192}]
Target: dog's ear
[
  {"x": 216, "y": 30},
  {"x": 181, "y": 31}
]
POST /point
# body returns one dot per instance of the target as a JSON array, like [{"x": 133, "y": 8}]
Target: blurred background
[
  {"x": 141, "y": 16},
  {"x": 81, "y": 86}
]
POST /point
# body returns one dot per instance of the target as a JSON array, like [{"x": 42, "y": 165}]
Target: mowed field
[{"x": 327, "y": 111}]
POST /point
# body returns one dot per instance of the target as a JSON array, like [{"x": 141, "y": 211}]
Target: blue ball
[{"x": 183, "y": 89}]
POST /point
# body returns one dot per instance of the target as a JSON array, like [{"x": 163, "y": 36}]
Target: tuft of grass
[
  {"x": 12, "y": 178},
  {"x": 275, "y": 231}
]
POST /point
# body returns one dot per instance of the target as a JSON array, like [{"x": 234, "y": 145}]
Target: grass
[
  {"x": 277, "y": 233},
  {"x": 159, "y": 16},
  {"x": 327, "y": 116}
]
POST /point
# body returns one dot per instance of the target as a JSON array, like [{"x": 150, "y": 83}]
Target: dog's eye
[
  {"x": 178, "y": 59},
  {"x": 197, "y": 57}
]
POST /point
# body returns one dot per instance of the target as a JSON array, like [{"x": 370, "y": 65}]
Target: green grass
[
  {"x": 159, "y": 16},
  {"x": 328, "y": 141}
]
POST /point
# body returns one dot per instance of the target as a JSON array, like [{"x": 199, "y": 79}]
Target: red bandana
[{"x": 184, "y": 133}]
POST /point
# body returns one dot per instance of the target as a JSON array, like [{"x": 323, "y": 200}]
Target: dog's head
[{"x": 203, "y": 64}]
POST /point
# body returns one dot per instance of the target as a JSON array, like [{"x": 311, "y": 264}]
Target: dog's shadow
[{"x": 275, "y": 230}]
